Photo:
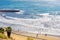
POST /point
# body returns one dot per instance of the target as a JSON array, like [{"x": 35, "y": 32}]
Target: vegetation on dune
[
  {"x": 1, "y": 30},
  {"x": 3, "y": 36},
  {"x": 8, "y": 29}
]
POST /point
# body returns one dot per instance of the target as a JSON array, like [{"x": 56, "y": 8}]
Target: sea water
[{"x": 29, "y": 12}]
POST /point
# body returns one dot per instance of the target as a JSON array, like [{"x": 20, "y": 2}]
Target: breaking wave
[{"x": 43, "y": 23}]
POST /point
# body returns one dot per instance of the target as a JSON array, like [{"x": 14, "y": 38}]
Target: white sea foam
[
  {"x": 21, "y": 12},
  {"x": 45, "y": 25}
]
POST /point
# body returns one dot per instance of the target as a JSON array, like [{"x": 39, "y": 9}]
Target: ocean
[{"x": 34, "y": 17}]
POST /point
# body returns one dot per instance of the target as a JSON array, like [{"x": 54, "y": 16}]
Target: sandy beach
[{"x": 40, "y": 37}]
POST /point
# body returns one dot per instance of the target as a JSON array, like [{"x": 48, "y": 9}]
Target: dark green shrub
[
  {"x": 8, "y": 29},
  {"x": 1, "y": 30}
]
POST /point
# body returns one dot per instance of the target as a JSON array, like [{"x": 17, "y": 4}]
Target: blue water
[{"x": 29, "y": 7}]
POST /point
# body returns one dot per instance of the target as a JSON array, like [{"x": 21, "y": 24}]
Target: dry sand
[{"x": 20, "y": 37}]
